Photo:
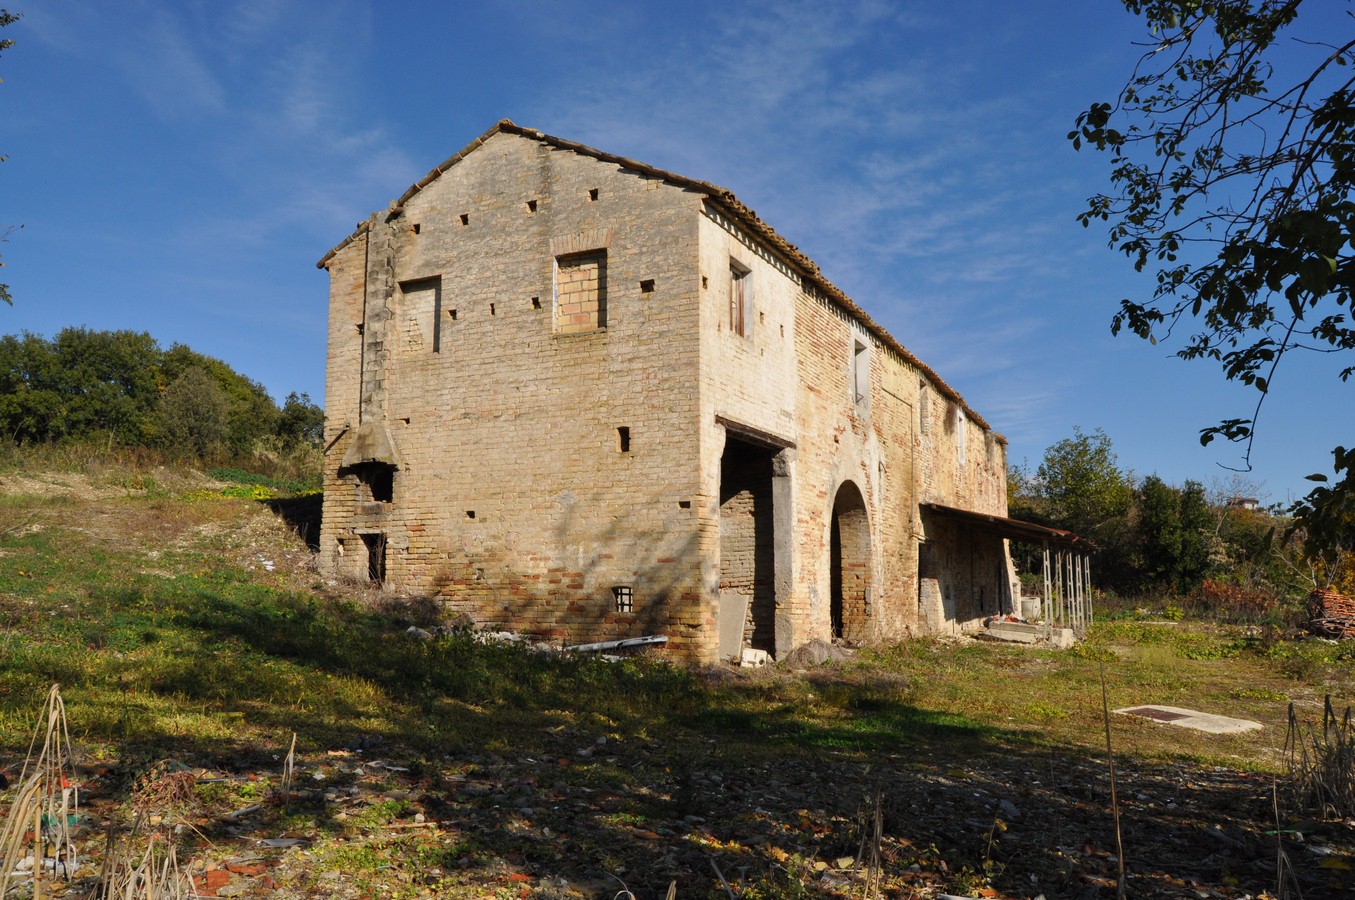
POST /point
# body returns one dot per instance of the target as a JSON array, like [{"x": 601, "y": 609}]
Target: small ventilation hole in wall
[
  {"x": 414, "y": 228},
  {"x": 470, "y": 514},
  {"x": 465, "y": 218},
  {"x": 359, "y": 326},
  {"x": 705, "y": 282},
  {"x": 647, "y": 286},
  {"x": 593, "y": 194},
  {"x": 536, "y": 303},
  {"x": 491, "y": 309},
  {"x": 405, "y": 420},
  {"x": 531, "y": 206},
  {"x": 623, "y": 439},
  {"x": 452, "y": 313},
  {"x": 684, "y": 504}
]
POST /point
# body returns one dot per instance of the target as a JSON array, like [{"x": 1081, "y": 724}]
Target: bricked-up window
[
  {"x": 581, "y": 292},
  {"x": 421, "y": 314},
  {"x": 623, "y": 597},
  {"x": 740, "y": 299}
]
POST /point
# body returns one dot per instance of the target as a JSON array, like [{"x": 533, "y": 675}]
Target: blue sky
[{"x": 178, "y": 168}]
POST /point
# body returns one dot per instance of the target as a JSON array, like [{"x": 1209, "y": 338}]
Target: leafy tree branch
[{"x": 1232, "y": 151}]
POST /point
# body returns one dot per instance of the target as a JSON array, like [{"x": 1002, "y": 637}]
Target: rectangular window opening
[
  {"x": 684, "y": 504},
  {"x": 376, "y": 481},
  {"x": 647, "y": 286},
  {"x": 593, "y": 194},
  {"x": 623, "y": 598},
  {"x": 581, "y": 292},
  {"x": 623, "y": 439},
  {"x": 740, "y": 300},
  {"x": 465, "y": 218}
]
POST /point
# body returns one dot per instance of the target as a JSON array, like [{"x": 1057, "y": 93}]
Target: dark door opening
[
  {"x": 747, "y": 548},
  {"x": 376, "y": 557}
]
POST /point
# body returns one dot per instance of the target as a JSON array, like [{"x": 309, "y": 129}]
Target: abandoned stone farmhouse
[{"x": 580, "y": 397}]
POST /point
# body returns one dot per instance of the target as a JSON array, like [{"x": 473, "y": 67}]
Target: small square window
[
  {"x": 465, "y": 218},
  {"x": 623, "y": 598},
  {"x": 647, "y": 286}
]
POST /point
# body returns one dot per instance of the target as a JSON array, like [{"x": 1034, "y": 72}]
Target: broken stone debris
[{"x": 1014, "y": 629}]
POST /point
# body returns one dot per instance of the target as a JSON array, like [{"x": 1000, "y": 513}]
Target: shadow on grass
[
  {"x": 301, "y": 515},
  {"x": 502, "y": 747}
]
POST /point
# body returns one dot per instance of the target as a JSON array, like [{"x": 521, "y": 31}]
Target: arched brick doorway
[{"x": 849, "y": 566}]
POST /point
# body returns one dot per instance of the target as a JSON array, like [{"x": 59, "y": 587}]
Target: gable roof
[{"x": 713, "y": 193}]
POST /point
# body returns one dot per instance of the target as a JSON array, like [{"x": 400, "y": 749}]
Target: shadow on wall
[{"x": 574, "y": 589}]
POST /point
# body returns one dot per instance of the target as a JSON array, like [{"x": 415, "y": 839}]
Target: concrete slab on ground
[
  {"x": 1191, "y": 718},
  {"x": 1031, "y": 633}
]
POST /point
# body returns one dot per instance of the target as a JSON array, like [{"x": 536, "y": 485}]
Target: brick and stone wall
[
  {"x": 538, "y": 466},
  {"x": 551, "y": 375}
]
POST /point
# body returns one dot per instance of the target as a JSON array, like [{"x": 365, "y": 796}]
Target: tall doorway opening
[
  {"x": 849, "y": 566},
  {"x": 747, "y": 549}
]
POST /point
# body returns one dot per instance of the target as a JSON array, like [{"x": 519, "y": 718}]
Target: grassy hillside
[{"x": 190, "y": 633}]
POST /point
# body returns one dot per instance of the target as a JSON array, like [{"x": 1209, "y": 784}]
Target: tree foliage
[
  {"x": 121, "y": 385},
  {"x": 1152, "y": 537},
  {"x": 1171, "y": 528},
  {"x": 1232, "y": 152},
  {"x": 1081, "y": 485},
  {"x": 301, "y": 421}
]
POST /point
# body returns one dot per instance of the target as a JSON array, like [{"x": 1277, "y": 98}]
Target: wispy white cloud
[{"x": 170, "y": 71}]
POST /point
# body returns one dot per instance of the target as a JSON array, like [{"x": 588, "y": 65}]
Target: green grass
[
  {"x": 200, "y": 648},
  {"x": 172, "y": 641}
]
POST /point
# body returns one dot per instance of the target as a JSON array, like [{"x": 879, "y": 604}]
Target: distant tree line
[
  {"x": 121, "y": 386},
  {"x": 1217, "y": 547}
]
